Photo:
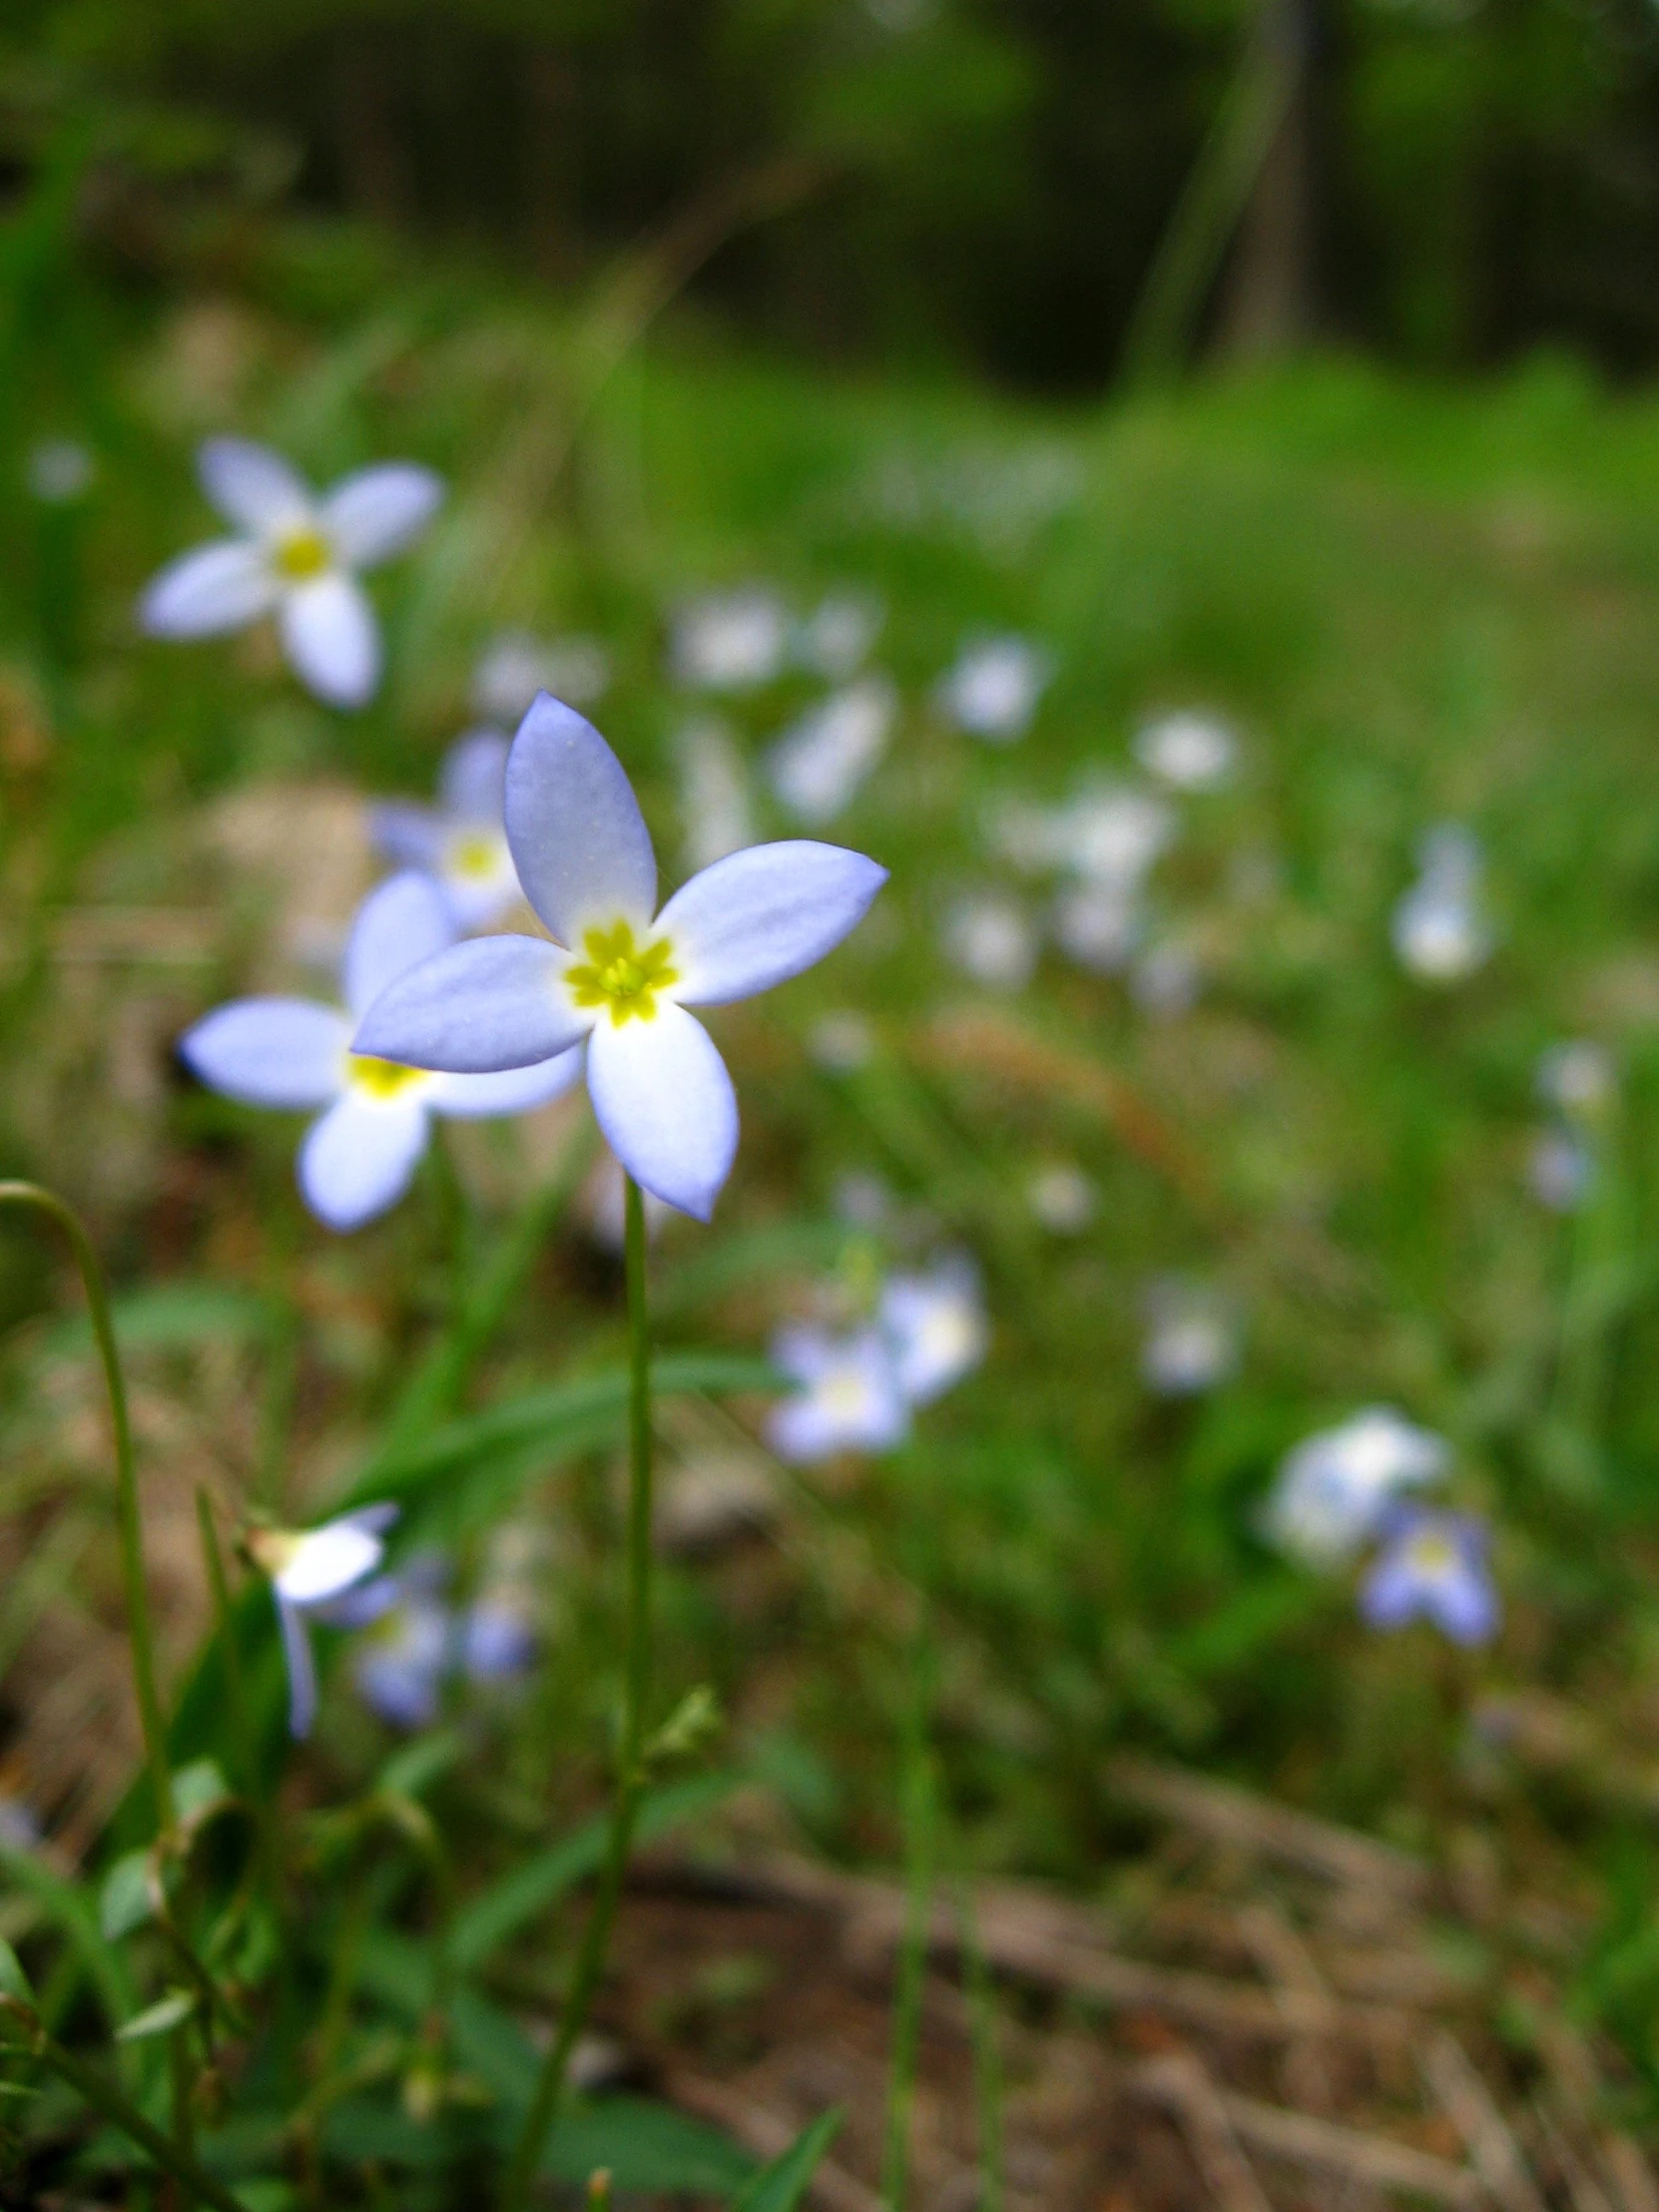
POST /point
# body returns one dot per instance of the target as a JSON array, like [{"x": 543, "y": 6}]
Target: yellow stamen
[
  {"x": 382, "y": 1078},
  {"x": 621, "y": 975},
  {"x": 473, "y": 853},
  {"x": 1432, "y": 1555},
  {"x": 301, "y": 555}
]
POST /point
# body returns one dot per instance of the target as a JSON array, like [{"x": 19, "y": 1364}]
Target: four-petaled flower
[
  {"x": 1433, "y": 1566},
  {"x": 309, "y": 1569},
  {"x": 849, "y": 1399},
  {"x": 620, "y": 975},
  {"x": 359, "y": 1157},
  {"x": 1335, "y": 1488},
  {"x": 297, "y": 558},
  {"x": 462, "y": 841}
]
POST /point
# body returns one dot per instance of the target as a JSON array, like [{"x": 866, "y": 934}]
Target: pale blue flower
[
  {"x": 1440, "y": 932},
  {"x": 410, "y": 1641},
  {"x": 935, "y": 1327},
  {"x": 515, "y": 666},
  {"x": 1189, "y": 752},
  {"x": 820, "y": 764},
  {"x": 1191, "y": 1338},
  {"x": 730, "y": 641},
  {"x": 1333, "y": 1489},
  {"x": 849, "y": 1397},
  {"x": 1561, "y": 1170},
  {"x": 1433, "y": 1566},
  {"x": 462, "y": 840},
  {"x": 294, "y": 1054},
  {"x": 619, "y": 973},
  {"x": 1578, "y": 1079},
  {"x": 310, "y": 1570},
  {"x": 835, "y": 638},
  {"x": 990, "y": 937},
  {"x": 993, "y": 690},
  {"x": 295, "y": 556}
]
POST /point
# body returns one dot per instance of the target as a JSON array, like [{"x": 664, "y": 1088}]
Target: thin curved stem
[
  {"x": 140, "y": 1633},
  {"x": 630, "y": 1777}
]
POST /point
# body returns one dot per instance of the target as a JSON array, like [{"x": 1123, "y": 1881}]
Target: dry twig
[{"x": 1467, "y": 2103}]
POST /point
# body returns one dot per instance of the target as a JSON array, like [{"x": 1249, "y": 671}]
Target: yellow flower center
[
  {"x": 299, "y": 555},
  {"x": 271, "y": 1550},
  {"x": 621, "y": 975},
  {"x": 473, "y": 853},
  {"x": 382, "y": 1078},
  {"x": 1434, "y": 1555},
  {"x": 846, "y": 1395}
]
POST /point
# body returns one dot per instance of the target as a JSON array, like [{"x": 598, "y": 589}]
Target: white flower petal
[
  {"x": 253, "y": 487},
  {"x": 472, "y": 783},
  {"x": 408, "y": 834},
  {"x": 577, "y": 838},
  {"x": 512, "y": 1091},
  {"x": 376, "y": 512},
  {"x": 491, "y": 1003},
  {"x": 331, "y": 640},
  {"x": 402, "y": 922},
  {"x": 223, "y": 586},
  {"x": 763, "y": 914},
  {"x": 329, "y": 1558},
  {"x": 296, "y": 1652},
  {"x": 665, "y": 1102},
  {"x": 359, "y": 1158},
  {"x": 282, "y": 1052}
]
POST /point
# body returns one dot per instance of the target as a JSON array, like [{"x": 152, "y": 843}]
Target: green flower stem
[
  {"x": 105, "y": 2097},
  {"x": 913, "y": 1961},
  {"x": 630, "y": 1777},
  {"x": 140, "y": 1632}
]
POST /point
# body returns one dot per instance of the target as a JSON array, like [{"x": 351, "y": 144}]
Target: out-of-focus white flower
[
  {"x": 619, "y": 973},
  {"x": 730, "y": 641},
  {"x": 817, "y": 765},
  {"x": 462, "y": 840},
  {"x": 1112, "y": 834},
  {"x": 834, "y": 641},
  {"x": 936, "y": 1327},
  {"x": 862, "y": 1199},
  {"x": 842, "y": 1043},
  {"x": 1191, "y": 1338},
  {"x": 1440, "y": 929},
  {"x": 1577, "y": 1079},
  {"x": 849, "y": 1397},
  {"x": 1333, "y": 1488},
  {"x": 1433, "y": 1566},
  {"x": 1098, "y": 925},
  {"x": 59, "y": 471},
  {"x": 993, "y": 690},
  {"x": 714, "y": 793},
  {"x": 1167, "y": 978},
  {"x": 1188, "y": 752},
  {"x": 298, "y": 558},
  {"x": 294, "y": 1055},
  {"x": 515, "y": 666},
  {"x": 309, "y": 1569},
  {"x": 1063, "y": 1199},
  {"x": 990, "y": 936},
  {"x": 1561, "y": 1170}
]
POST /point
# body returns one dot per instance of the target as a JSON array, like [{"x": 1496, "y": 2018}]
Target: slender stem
[
  {"x": 987, "y": 2053},
  {"x": 105, "y": 2097},
  {"x": 630, "y": 1776},
  {"x": 141, "y": 1635}
]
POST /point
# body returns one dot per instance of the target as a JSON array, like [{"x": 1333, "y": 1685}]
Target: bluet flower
[
  {"x": 1063, "y": 1199},
  {"x": 834, "y": 641},
  {"x": 1561, "y": 1170},
  {"x": 1433, "y": 1566},
  {"x": 1099, "y": 925},
  {"x": 1333, "y": 1488},
  {"x": 296, "y": 557},
  {"x": 1440, "y": 929},
  {"x": 1188, "y": 752},
  {"x": 515, "y": 666},
  {"x": 935, "y": 1327},
  {"x": 1577, "y": 1079},
  {"x": 1191, "y": 1338},
  {"x": 849, "y": 1397},
  {"x": 817, "y": 765},
  {"x": 618, "y": 973},
  {"x": 461, "y": 842},
  {"x": 993, "y": 690},
  {"x": 296, "y": 1055},
  {"x": 715, "y": 812},
  {"x": 730, "y": 641},
  {"x": 309, "y": 1570},
  {"x": 990, "y": 937}
]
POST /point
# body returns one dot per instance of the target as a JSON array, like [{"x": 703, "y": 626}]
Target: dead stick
[{"x": 1469, "y": 2104}]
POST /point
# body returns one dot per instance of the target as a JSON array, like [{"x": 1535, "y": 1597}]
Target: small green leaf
[
  {"x": 14, "y": 1983},
  {"x": 157, "y": 2019},
  {"x": 694, "y": 1722},
  {"x": 781, "y": 2186},
  {"x": 125, "y": 1902},
  {"x": 199, "y": 1791},
  {"x": 414, "y": 1768}
]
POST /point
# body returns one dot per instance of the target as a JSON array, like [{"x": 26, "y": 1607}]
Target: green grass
[{"x": 1415, "y": 603}]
